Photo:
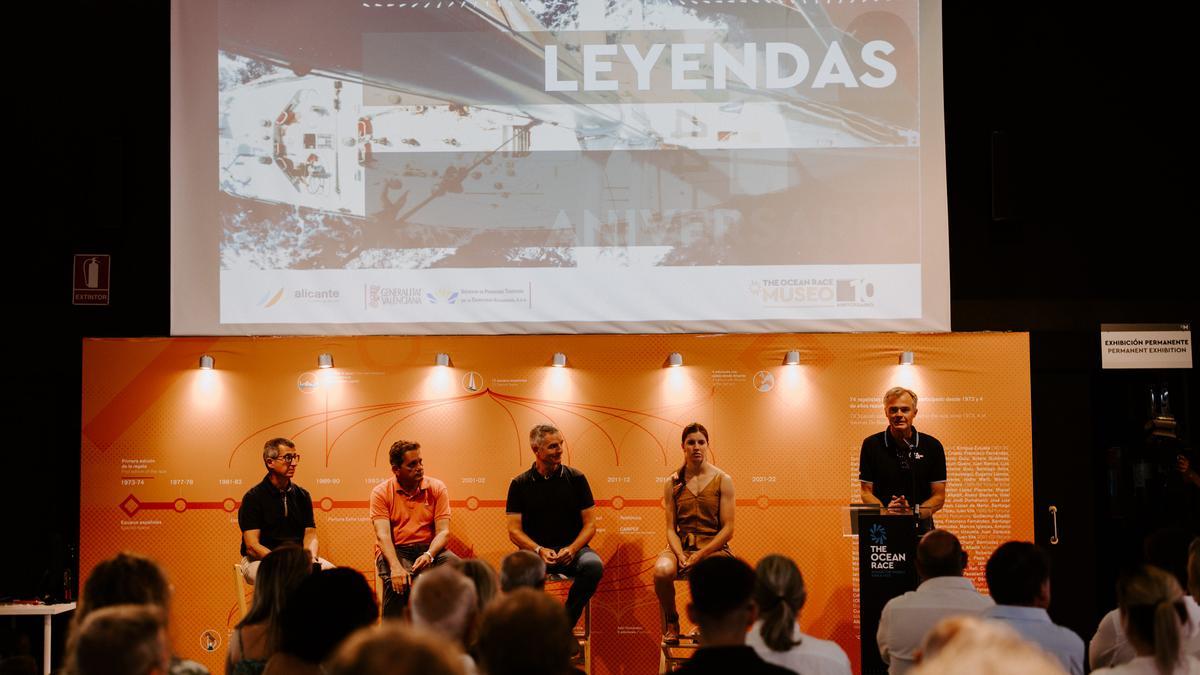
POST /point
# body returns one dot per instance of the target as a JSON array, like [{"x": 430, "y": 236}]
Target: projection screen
[{"x": 541, "y": 166}]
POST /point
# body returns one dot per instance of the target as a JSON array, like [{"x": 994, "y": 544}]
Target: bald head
[
  {"x": 940, "y": 555},
  {"x": 443, "y": 600}
]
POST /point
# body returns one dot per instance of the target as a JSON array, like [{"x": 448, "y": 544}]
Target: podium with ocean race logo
[{"x": 887, "y": 567}]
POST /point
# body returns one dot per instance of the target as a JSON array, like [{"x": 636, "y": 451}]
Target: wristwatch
[{"x": 537, "y": 550}]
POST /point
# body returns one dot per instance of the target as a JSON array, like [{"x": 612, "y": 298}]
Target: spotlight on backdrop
[
  {"x": 674, "y": 360},
  {"x": 906, "y": 358},
  {"x": 792, "y": 358},
  {"x": 325, "y": 360},
  {"x": 443, "y": 359},
  {"x": 207, "y": 362},
  {"x": 559, "y": 361}
]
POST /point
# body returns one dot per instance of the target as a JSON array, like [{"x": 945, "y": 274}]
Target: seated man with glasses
[{"x": 277, "y": 511}]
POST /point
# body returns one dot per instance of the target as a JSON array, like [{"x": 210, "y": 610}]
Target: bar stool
[
  {"x": 675, "y": 654},
  {"x": 557, "y": 581}
]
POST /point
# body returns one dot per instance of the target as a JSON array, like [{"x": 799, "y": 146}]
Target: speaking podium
[{"x": 887, "y": 567}]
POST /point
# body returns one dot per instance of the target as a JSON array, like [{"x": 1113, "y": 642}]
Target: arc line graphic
[
  {"x": 616, "y": 452},
  {"x": 300, "y": 417},
  {"x": 383, "y": 436},
  {"x": 606, "y": 410},
  {"x": 542, "y": 413},
  {"x": 516, "y": 432}
]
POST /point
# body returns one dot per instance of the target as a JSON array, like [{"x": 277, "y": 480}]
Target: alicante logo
[
  {"x": 267, "y": 300},
  {"x": 443, "y": 296},
  {"x": 878, "y": 535}
]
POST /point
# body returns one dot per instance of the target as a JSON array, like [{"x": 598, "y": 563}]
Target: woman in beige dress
[{"x": 699, "y": 507}]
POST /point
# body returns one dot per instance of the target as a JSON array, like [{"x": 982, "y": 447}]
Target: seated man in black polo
[
  {"x": 550, "y": 513},
  {"x": 899, "y": 467},
  {"x": 276, "y": 511}
]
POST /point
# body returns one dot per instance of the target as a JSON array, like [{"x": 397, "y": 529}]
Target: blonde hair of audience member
[
  {"x": 1152, "y": 615},
  {"x": 525, "y": 632},
  {"x": 120, "y": 640},
  {"x": 394, "y": 648},
  {"x": 443, "y": 600},
  {"x": 280, "y": 572},
  {"x": 779, "y": 593},
  {"x": 966, "y": 644}
]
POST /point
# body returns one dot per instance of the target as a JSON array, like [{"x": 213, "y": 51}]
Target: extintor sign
[{"x": 91, "y": 276}]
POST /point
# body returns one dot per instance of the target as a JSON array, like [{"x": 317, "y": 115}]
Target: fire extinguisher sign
[{"x": 91, "y": 279}]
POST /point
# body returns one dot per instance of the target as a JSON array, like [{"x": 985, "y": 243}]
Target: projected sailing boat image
[{"x": 543, "y": 134}]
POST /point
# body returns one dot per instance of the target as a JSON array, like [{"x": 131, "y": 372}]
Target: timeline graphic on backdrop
[{"x": 170, "y": 449}]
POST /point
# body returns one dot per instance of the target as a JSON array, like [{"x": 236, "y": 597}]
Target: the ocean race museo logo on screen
[
  {"x": 813, "y": 292},
  {"x": 375, "y": 296}
]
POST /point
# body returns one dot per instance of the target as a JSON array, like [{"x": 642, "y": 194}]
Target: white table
[{"x": 44, "y": 611}]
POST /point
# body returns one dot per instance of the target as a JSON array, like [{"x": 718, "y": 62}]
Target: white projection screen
[{"x": 546, "y": 166}]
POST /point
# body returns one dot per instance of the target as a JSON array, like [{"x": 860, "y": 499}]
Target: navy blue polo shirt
[
  {"x": 281, "y": 516},
  {"x": 881, "y": 463},
  {"x": 550, "y": 505}
]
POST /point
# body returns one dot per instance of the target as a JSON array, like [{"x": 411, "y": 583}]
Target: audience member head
[
  {"x": 443, "y": 600},
  {"x": 1018, "y": 573},
  {"x": 120, "y": 640},
  {"x": 1167, "y": 549},
  {"x": 487, "y": 585},
  {"x": 722, "y": 604},
  {"x": 779, "y": 593},
  {"x": 394, "y": 648},
  {"x": 525, "y": 632},
  {"x": 127, "y": 579},
  {"x": 940, "y": 555},
  {"x": 279, "y": 574},
  {"x": 326, "y": 607},
  {"x": 522, "y": 569},
  {"x": 1153, "y": 614},
  {"x": 1193, "y": 566},
  {"x": 966, "y": 644}
]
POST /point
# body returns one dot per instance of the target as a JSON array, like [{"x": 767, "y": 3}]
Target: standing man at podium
[{"x": 901, "y": 469}]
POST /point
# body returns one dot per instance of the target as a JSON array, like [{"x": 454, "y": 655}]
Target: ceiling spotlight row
[{"x": 559, "y": 360}]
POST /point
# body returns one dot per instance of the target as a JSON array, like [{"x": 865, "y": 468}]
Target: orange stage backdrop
[{"x": 168, "y": 450}]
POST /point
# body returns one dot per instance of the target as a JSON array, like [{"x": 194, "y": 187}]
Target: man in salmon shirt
[{"x": 411, "y": 514}]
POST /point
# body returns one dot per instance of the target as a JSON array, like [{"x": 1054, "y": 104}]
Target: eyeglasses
[{"x": 290, "y": 458}]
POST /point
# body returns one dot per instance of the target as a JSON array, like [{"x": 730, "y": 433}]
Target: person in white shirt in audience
[
  {"x": 1018, "y": 577},
  {"x": 943, "y": 592},
  {"x": 1166, "y": 549},
  {"x": 1155, "y": 620},
  {"x": 780, "y": 594}
]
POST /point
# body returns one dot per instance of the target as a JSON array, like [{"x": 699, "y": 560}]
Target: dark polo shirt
[
  {"x": 879, "y": 463},
  {"x": 281, "y": 516},
  {"x": 550, "y": 506}
]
